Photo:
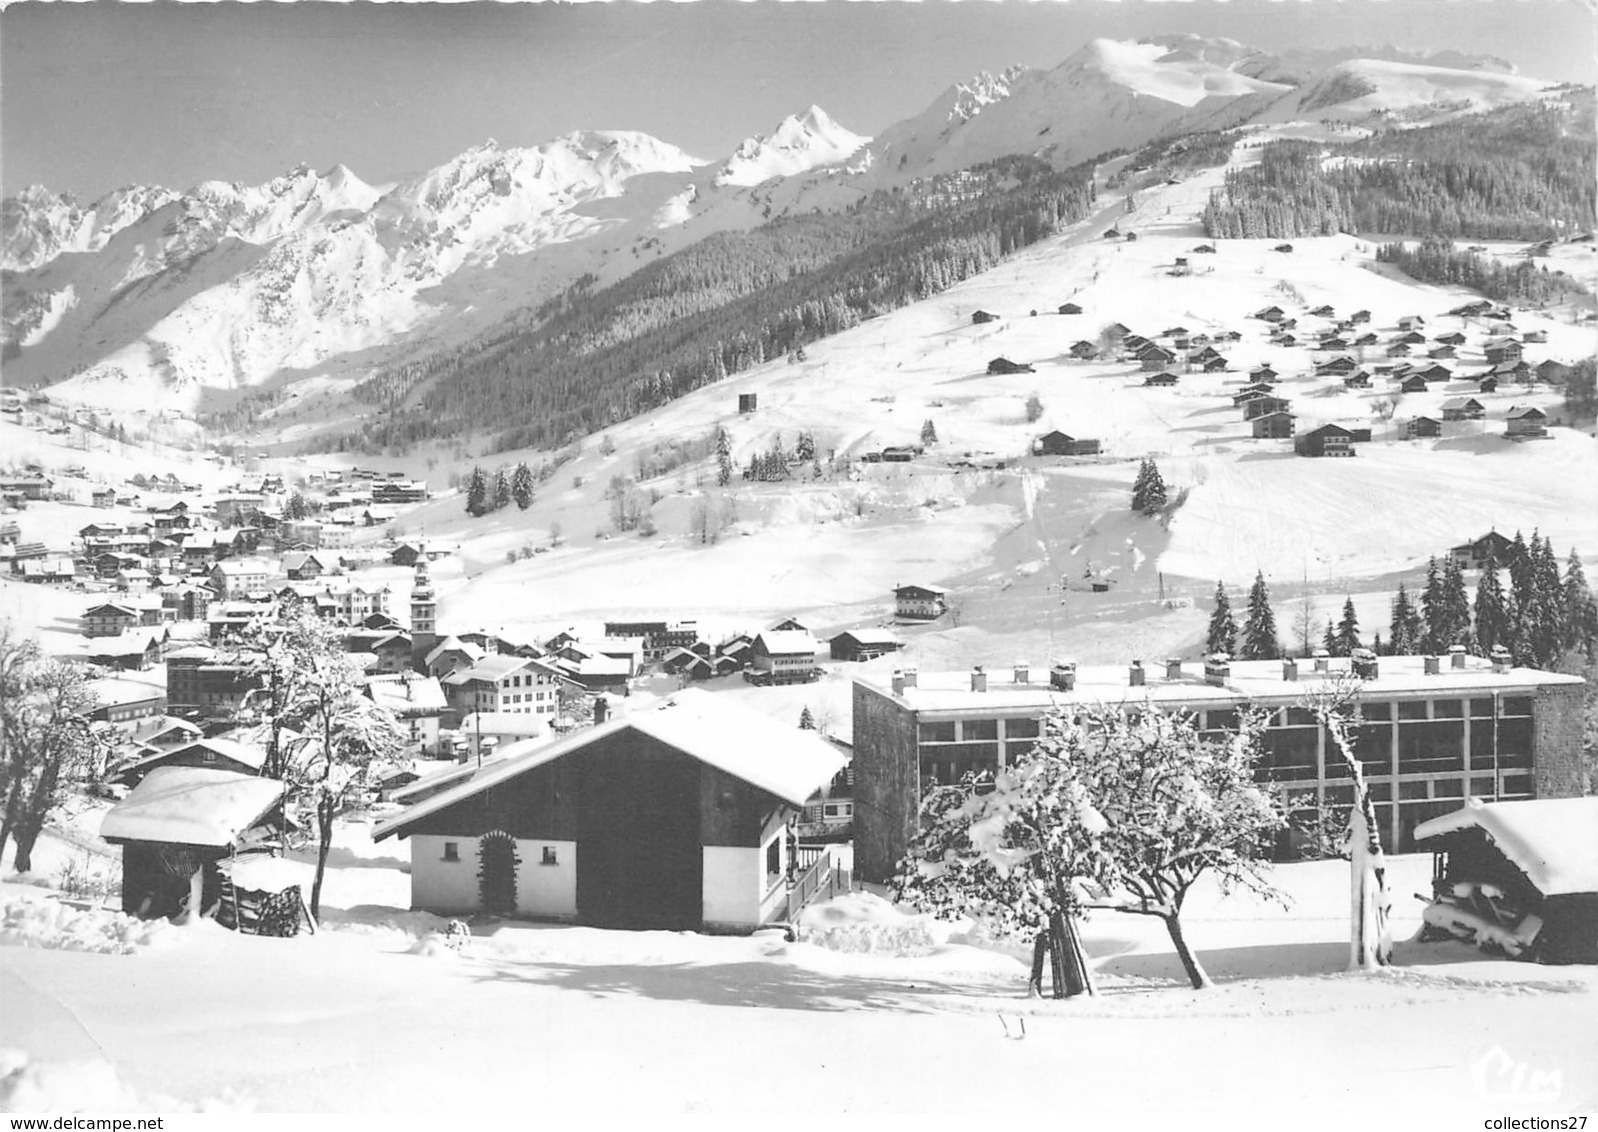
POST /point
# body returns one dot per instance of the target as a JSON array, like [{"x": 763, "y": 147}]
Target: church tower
[{"x": 424, "y": 614}]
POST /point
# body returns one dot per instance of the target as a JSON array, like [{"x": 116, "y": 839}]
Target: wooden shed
[
  {"x": 1518, "y": 877},
  {"x": 1328, "y": 440},
  {"x": 1057, "y": 443},
  {"x": 672, "y": 817}
]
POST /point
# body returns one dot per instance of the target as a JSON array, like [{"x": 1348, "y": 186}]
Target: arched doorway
[{"x": 496, "y": 873}]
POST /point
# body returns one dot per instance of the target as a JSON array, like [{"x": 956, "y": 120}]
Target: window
[
  {"x": 1021, "y": 728},
  {"x": 979, "y": 729},
  {"x": 452, "y": 851},
  {"x": 207, "y": 756},
  {"x": 774, "y": 857},
  {"x": 1412, "y": 709},
  {"x": 549, "y": 856},
  {"x": 937, "y": 732},
  {"x": 1516, "y": 705}
]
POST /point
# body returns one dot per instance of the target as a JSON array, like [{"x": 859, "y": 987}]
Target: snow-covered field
[{"x": 871, "y": 1010}]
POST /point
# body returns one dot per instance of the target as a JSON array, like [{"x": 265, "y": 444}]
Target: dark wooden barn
[
  {"x": 1005, "y": 365},
  {"x": 1273, "y": 426},
  {"x": 1328, "y": 440},
  {"x": 1057, "y": 443}
]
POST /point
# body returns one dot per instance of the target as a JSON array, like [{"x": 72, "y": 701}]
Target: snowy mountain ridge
[{"x": 800, "y": 143}]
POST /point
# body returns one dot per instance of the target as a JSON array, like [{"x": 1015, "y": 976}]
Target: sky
[{"x": 94, "y": 96}]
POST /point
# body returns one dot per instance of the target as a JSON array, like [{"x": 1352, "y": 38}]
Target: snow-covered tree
[
  {"x": 502, "y": 496},
  {"x": 1175, "y": 805},
  {"x": 296, "y": 507},
  {"x": 1348, "y": 630},
  {"x": 45, "y": 705},
  {"x": 338, "y": 731},
  {"x": 521, "y": 486},
  {"x": 1222, "y": 635},
  {"x": 723, "y": 457},
  {"x": 807, "y": 722},
  {"x": 929, "y": 433},
  {"x": 477, "y": 493},
  {"x": 1580, "y": 610},
  {"x": 1406, "y": 629},
  {"x": 1259, "y": 624},
  {"x": 1370, "y": 934},
  {"x": 1492, "y": 613},
  {"x": 804, "y": 448}
]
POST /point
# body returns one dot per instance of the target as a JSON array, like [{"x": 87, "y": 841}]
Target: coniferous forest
[
  {"x": 1520, "y": 173},
  {"x": 592, "y": 356}
]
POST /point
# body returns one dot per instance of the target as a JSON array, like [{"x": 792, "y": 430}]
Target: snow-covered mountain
[
  {"x": 801, "y": 142},
  {"x": 149, "y": 298}
]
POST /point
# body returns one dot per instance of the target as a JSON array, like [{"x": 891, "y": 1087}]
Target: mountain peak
[{"x": 800, "y": 142}]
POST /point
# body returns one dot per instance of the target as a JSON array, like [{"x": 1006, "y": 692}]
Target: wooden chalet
[
  {"x": 1262, "y": 373},
  {"x": 1264, "y": 406},
  {"x": 1473, "y": 555},
  {"x": 1057, "y": 443},
  {"x": 980, "y": 316},
  {"x": 1324, "y": 311},
  {"x": 1518, "y": 370},
  {"x": 1005, "y": 365},
  {"x": 1452, "y": 338},
  {"x": 1411, "y": 338},
  {"x": 1284, "y": 248},
  {"x": 1413, "y": 383},
  {"x": 1161, "y": 379},
  {"x": 1070, "y": 308},
  {"x": 1204, "y": 249},
  {"x": 1398, "y": 350},
  {"x": 1463, "y": 409},
  {"x": 1273, "y": 426},
  {"x": 1360, "y": 316},
  {"x": 1552, "y": 370},
  {"x": 1488, "y": 384},
  {"x": 219, "y": 753},
  {"x": 1270, "y": 314},
  {"x": 1411, "y": 322},
  {"x": 1525, "y": 423},
  {"x": 920, "y": 603},
  {"x": 784, "y": 656},
  {"x": 1500, "y": 350},
  {"x": 1084, "y": 351},
  {"x": 1359, "y": 379},
  {"x": 1440, "y": 352},
  {"x": 1327, "y": 440},
  {"x": 1154, "y": 358},
  {"x": 670, "y": 817},
  {"x": 1284, "y": 339},
  {"x": 1422, "y": 428},
  {"x": 1340, "y": 366},
  {"x": 1252, "y": 393},
  {"x": 1216, "y": 364},
  {"x": 863, "y": 644}
]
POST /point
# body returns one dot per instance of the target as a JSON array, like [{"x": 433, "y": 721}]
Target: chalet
[
  {"x": 1204, "y": 249},
  {"x": 863, "y": 644},
  {"x": 1288, "y": 323},
  {"x": 506, "y": 684},
  {"x": 1463, "y": 409},
  {"x": 1180, "y": 267},
  {"x": 1411, "y": 322},
  {"x": 1174, "y": 332},
  {"x": 1525, "y": 423},
  {"x": 27, "y": 487},
  {"x": 672, "y": 817},
  {"x": 302, "y": 566},
  {"x": 47, "y": 570},
  {"x": 1340, "y": 366},
  {"x": 1323, "y": 311},
  {"x": 1440, "y": 352},
  {"x": 129, "y": 704},
  {"x": 21, "y": 552},
  {"x": 220, "y": 753},
  {"x": 1117, "y": 330},
  {"x": 1488, "y": 384},
  {"x": 1332, "y": 342},
  {"x": 1434, "y": 372},
  {"x": 1360, "y": 316},
  {"x": 1453, "y": 338},
  {"x": 1070, "y": 308},
  {"x": 1413, "y": 383},
  {"x": 1398, "y": 350},
  {"x": 179, "y": 825},
  {"x": 739, "y": 650},
  {"x": 1161, "y": 379},
  {"x": 1420, "y": 428},
  {"x": 1252, "y": 393},
  {"x": 399, "y": 491},
  {"x": 1269, "y": 314},
  {"x": 452, "y": 655},
  {"x": 389, "y": 649},
  {"x": 1500, "y": 350},
  {"x": 103, "y": 497},
  {"x": 1284, "y": 339},
  {"x": 1133, "y": 343},
  {"x": 1521, "y": 876},
  {"x": 1517, "y": 371},
  {"x": 1412, "y": 338},
  {"x": 1551, "y": 370},
  {"x": 235, "y": 577},
  {"x": 1005, "y": 365},
  {"x": 1084, "y": 351},
  {"x": 379, "y": 513},
  {"x": 230, "y": 618},
  {"x": 979, "y": 317},
  {"x": 407, "y": 553},
  {"x": 107, "y": 619},
  {"x": 784, "y": 656},
  {"x": 1537, "y": 336},
  {"x": 1262, "y": 373},
  {"x": 1327, "y": 440},
  {"x": 1216, "y": 364},
  {"x": 1153, "y": 358},
  {"x": 353, "y": 603},
  {"x": 1472, "y": 309},
  {"x": 1282, "y": 248},
  {"x": 1273, "y": 426},
  {"x": 1264, "y": 406},
  {"x": 920, "y": 603},
  {"x": 1473, "y": 555},
  {"x": 1057, "y": 443},
  {"x": 689, "y": 664},
  {"x": 416, "y": 702},
  {"x": 1366, "y": 339},
  {"x": 1359, "y": 379}
]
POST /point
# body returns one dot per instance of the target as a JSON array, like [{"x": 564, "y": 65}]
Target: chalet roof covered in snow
[
  {"x": 191, "y": 806},
  {"x": 784, "y": 761},
  {"x": 786, "y": 642},
  {"x": 1554, "y": 841}
]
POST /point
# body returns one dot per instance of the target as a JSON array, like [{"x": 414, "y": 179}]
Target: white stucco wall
[
  {"x": 437, "y": 885},
  {"x": 733, "y": 883},
  {"x": 546, "y": 890}
]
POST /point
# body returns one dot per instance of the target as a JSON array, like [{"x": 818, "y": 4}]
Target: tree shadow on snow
[
  {"x": 749, "y": 984},
  {"x": 1228, "y": 964}
]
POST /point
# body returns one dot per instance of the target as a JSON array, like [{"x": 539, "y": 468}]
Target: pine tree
[
  {"x": 1222, "y": 635},
  {"x": 501, "y": 489},
  {"x": 521, "y": 486},
  {"x": 1329, "y": 640},
  {"x": 723, "y": 457},
  {"x": 804, "y": 448},
  {"x": 1456, "y": 608},
  {"x": 1407, "y": 626},
  {"x": 1154, "y": 494},
  {"x": 929, "y": 433},
  {"x": 296, "y": 508},
  {"x": 477, "y": 493},
  {"x": 1140, "y": 485},
  {"x": 807, "y": 722},
  {"x": 1492, "y": 614},
  {"x": 1259, "y": 624},
  {"x": 1431, "y": 609},
  {"x": 1348, "y": 630},
  {"x": 1580, "y": 609}
]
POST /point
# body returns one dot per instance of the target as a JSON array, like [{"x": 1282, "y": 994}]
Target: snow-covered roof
[
  {"x": 191, "y": 806},
  {"x": 782, "y": 760},
  {"x": 787, "y": 642},
  {"x": 406, "y": 694},
  {"x": 503, "y": 723},
  {"x": 1554, "y": 841},
  {"x": 870, "y": 636}
]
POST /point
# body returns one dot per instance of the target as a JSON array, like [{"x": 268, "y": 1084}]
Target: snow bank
[
  {"x": 860, "y": 922},
  {"x": 27, "y": 921},
  {"x": 86, "y": 1086}
]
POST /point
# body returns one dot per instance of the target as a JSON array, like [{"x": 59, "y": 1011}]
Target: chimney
[
  {"x": 909, "y": 676},
  {"x": 898, "y": 681},
  {"x": 1023, "y": 672},
  {"x": 1364, "y": 664},
  {"x": 1434, "y": 665},
  {"x": 1456, "y": 656},
  {"x": 1502, "y": 662},
  {"x": 1289, "y": 669},
  {"x": 1173, "y": 668},
  {"x": 1135, "y": 674},
  {"x": 601, "y": 709},
  {"x": 979, "y": 679},
  {"x": 1323, "y": 660},
  {"x": 1063, "y": 675},
  {"x": 1217, "y": 668}
]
